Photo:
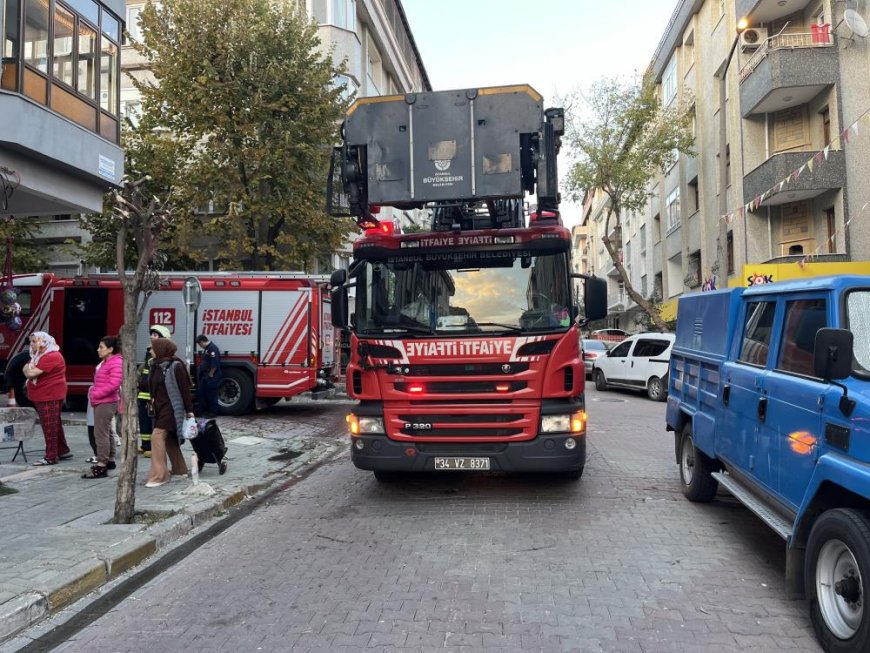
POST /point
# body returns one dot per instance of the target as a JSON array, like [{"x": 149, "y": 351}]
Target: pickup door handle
[
  {"x": 726, "y": 394},
  {"x": 762, "y": 409}
]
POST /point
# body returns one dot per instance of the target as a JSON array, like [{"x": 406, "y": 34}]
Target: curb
[{"x": 68, "y": 586}]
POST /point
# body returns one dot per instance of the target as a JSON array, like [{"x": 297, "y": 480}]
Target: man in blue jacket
[{"x": 208, "y": 377}]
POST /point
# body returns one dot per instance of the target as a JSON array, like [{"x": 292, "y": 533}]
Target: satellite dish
[{"x": 856, "y": 23}]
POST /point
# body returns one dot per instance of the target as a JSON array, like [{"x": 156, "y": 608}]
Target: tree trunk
[
  {"x": 125, "y": 500},
  {"x": 645, "y": 305}
]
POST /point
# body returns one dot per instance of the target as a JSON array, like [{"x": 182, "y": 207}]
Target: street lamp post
[{"x": 722, "y": 256}]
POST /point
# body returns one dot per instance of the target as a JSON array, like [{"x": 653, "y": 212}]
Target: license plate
[{"x": 462, "y": 463}]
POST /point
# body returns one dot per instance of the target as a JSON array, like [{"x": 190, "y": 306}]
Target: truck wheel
[
  {"x": 695, "y": 470},
  {"x": 235, "y": 392},
  {"x": 655, "y": 389},
  {"x": 600, "y": 381},
  {"x": 837, "y": 570},
  {"x": 20, "y": 393}
]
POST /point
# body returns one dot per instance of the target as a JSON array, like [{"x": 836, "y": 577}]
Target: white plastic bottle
[{"x": 194, "y": 468}]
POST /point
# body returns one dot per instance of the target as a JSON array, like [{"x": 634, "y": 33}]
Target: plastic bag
[{"x": 189, "y": 429}]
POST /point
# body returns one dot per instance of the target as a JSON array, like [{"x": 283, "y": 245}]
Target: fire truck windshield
[{"x": 463, "y": 293}]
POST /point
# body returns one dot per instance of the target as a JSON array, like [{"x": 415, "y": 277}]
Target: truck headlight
[
  {"x": 555, "y": 423},
  {"x": 366, "y": 425},
  {"x": 570, "y": 423}
]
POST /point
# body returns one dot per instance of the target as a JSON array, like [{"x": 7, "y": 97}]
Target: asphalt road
[{"x": 618, "y": 561}]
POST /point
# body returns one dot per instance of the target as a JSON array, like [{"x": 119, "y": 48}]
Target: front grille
[
  {"x": 459, "y": 419},
  {"x": 464, "y": 449},
  {"x": 470, "y": 369},
  {"x": 466, "y": 387},
  {"x": 463, "y": 433}
]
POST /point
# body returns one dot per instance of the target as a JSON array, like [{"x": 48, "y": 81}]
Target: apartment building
[
  {"x": 59, "y": 97},
  {"x": 781, "y": 157},
  {"x": 373, "y": 36}
]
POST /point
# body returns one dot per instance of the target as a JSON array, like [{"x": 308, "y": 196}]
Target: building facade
[
  {"x": 780, "y": 155},
  {"x": 60, "y": 85}
]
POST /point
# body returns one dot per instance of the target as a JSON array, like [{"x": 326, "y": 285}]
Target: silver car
[{"x": 591, "y": 350}]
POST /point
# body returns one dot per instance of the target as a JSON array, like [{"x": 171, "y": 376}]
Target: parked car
[
  {"x": 592, "y": 351},
  {"x": 640, "y": 362},
  {"x": 609, "y": 335}
]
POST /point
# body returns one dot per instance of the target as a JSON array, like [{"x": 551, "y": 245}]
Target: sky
[{"x": 556, "y": 46}]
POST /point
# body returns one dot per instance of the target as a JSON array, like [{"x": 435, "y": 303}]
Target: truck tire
[
  {"x": 696, "y": 470},
  {"x": 836, "y": 576},
  {"x": 235, "y": 392},
  {"x": 600, "y": 381},
  {"x": 17, "y": 382},
  {"x": 655, "y": 389}
]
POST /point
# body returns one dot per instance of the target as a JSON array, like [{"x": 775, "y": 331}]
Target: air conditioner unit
[{"x": 753, "y": 38}]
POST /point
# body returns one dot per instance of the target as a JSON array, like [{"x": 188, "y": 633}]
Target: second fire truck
[{"x": 273, "y": 329}]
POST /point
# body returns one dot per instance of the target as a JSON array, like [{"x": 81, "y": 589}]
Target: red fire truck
[
  {"x": 273, "y": 329},
  {"x": 465, "y": 340}
]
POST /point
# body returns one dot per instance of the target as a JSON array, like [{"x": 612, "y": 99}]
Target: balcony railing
[{"x": 785, "y": 42}]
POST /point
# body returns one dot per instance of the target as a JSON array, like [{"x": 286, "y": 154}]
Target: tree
[
  {"x": 127, "y": 236},
  {"x": 247, "y": 82},
  {"x": 26, "y": 256},
  {"x": 622, "y": 140}
]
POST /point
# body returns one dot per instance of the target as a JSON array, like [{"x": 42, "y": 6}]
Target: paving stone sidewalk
[{"x": 57, "y": 542}]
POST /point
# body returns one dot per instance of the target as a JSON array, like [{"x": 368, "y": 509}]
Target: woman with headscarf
[
  {"x": 46, "y": 388},
  {"x": 104, "y": 397},
  {"x": 172, "y": 401}
]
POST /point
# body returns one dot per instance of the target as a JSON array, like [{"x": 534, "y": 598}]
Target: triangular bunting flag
[
  {"x": 845, "y": 135},
  {"x": 809, "y": 165},
  {"x": 826, "y": 150},
  {"x": 854, "y": 127},
  {"x": 818, "y": 157}
]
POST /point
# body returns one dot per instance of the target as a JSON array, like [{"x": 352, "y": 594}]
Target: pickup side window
[
  {"x": 756, "y": 333},
  {"x": 858, "y": 322},
  {"x": 803, "y": 318}
]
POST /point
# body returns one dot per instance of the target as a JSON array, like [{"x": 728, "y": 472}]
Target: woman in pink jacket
[{"x": 104, "y": 397}]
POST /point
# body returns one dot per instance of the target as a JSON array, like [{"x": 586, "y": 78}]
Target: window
[
  {"x": 36, "y": 34},
  {"x": 344, "y": 14},
  {"x": 830, "y": 224},
  {"x": 756, "y": 333},
  {"x": 649, "y": 347},
  {"x": 134, "y": 30},
  {"x": 621, "y": 350},
  {"x": 803, "y": 319},
  {"x": 132, "y": 111},
  {"x": 673, "y": 207},
  {"x": 694, "y": 198},
  {"x": 642, "y": 238},
  {"x": 669, "y": 82},
  {"x": 729, "y": 246},
  {"x": 826, "y": 125},
  {"x": 87, "y": 83},
  {"x": 643, "y": 287},
  {"x": 64, "y": 33},
  {"x": 109, "y": 77}
]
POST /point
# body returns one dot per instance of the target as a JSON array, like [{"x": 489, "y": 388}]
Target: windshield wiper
[{"x": 508, "y": 327}]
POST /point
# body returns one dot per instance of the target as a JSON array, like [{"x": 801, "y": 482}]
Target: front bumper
[{"x": 546, "y": 453}]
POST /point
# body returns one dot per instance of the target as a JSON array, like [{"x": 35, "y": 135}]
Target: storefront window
[
  {"x": 36, "y": 34},
  {"x": 109, "y": 77},
  {"x": 63, "y": 63},
  {"x": 87, "y": 84}
]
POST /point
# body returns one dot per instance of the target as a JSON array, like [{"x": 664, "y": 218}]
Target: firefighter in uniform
[
  {"x": 208, "y": 377},
  {"x": 144, "y": 397}
]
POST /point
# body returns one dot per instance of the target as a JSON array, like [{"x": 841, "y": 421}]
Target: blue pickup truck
[{"x": 769, "y": 396}]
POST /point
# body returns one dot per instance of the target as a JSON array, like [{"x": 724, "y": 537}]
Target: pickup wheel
[
  {"x": 696, "y": 470},
  {"x": 655, "y": 389},
  {"x": 836, "y": 576},
  {"x": 600, "y": 381}
]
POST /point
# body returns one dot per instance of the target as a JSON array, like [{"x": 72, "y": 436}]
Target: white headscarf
[{"x": 43, "y": 345}]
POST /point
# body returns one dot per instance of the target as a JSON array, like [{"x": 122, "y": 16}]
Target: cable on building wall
[{"x": 9, "y": 181}]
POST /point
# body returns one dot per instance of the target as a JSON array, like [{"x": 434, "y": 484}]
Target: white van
[{"x": 640, "y": 362}]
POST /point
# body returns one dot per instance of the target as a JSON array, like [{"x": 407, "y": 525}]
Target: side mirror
[
  {"x": 594, "y": 297},
  {"x": 833, "y": 354},
  {"x": 338, "y": 294},
  {"x": 832, "y": 359}
]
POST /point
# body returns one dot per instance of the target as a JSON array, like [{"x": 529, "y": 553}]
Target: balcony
[
  {"x": 616, "y": 302},
  {"x": 825, "y": 176},
  {"x": 786, "y": 71}
]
